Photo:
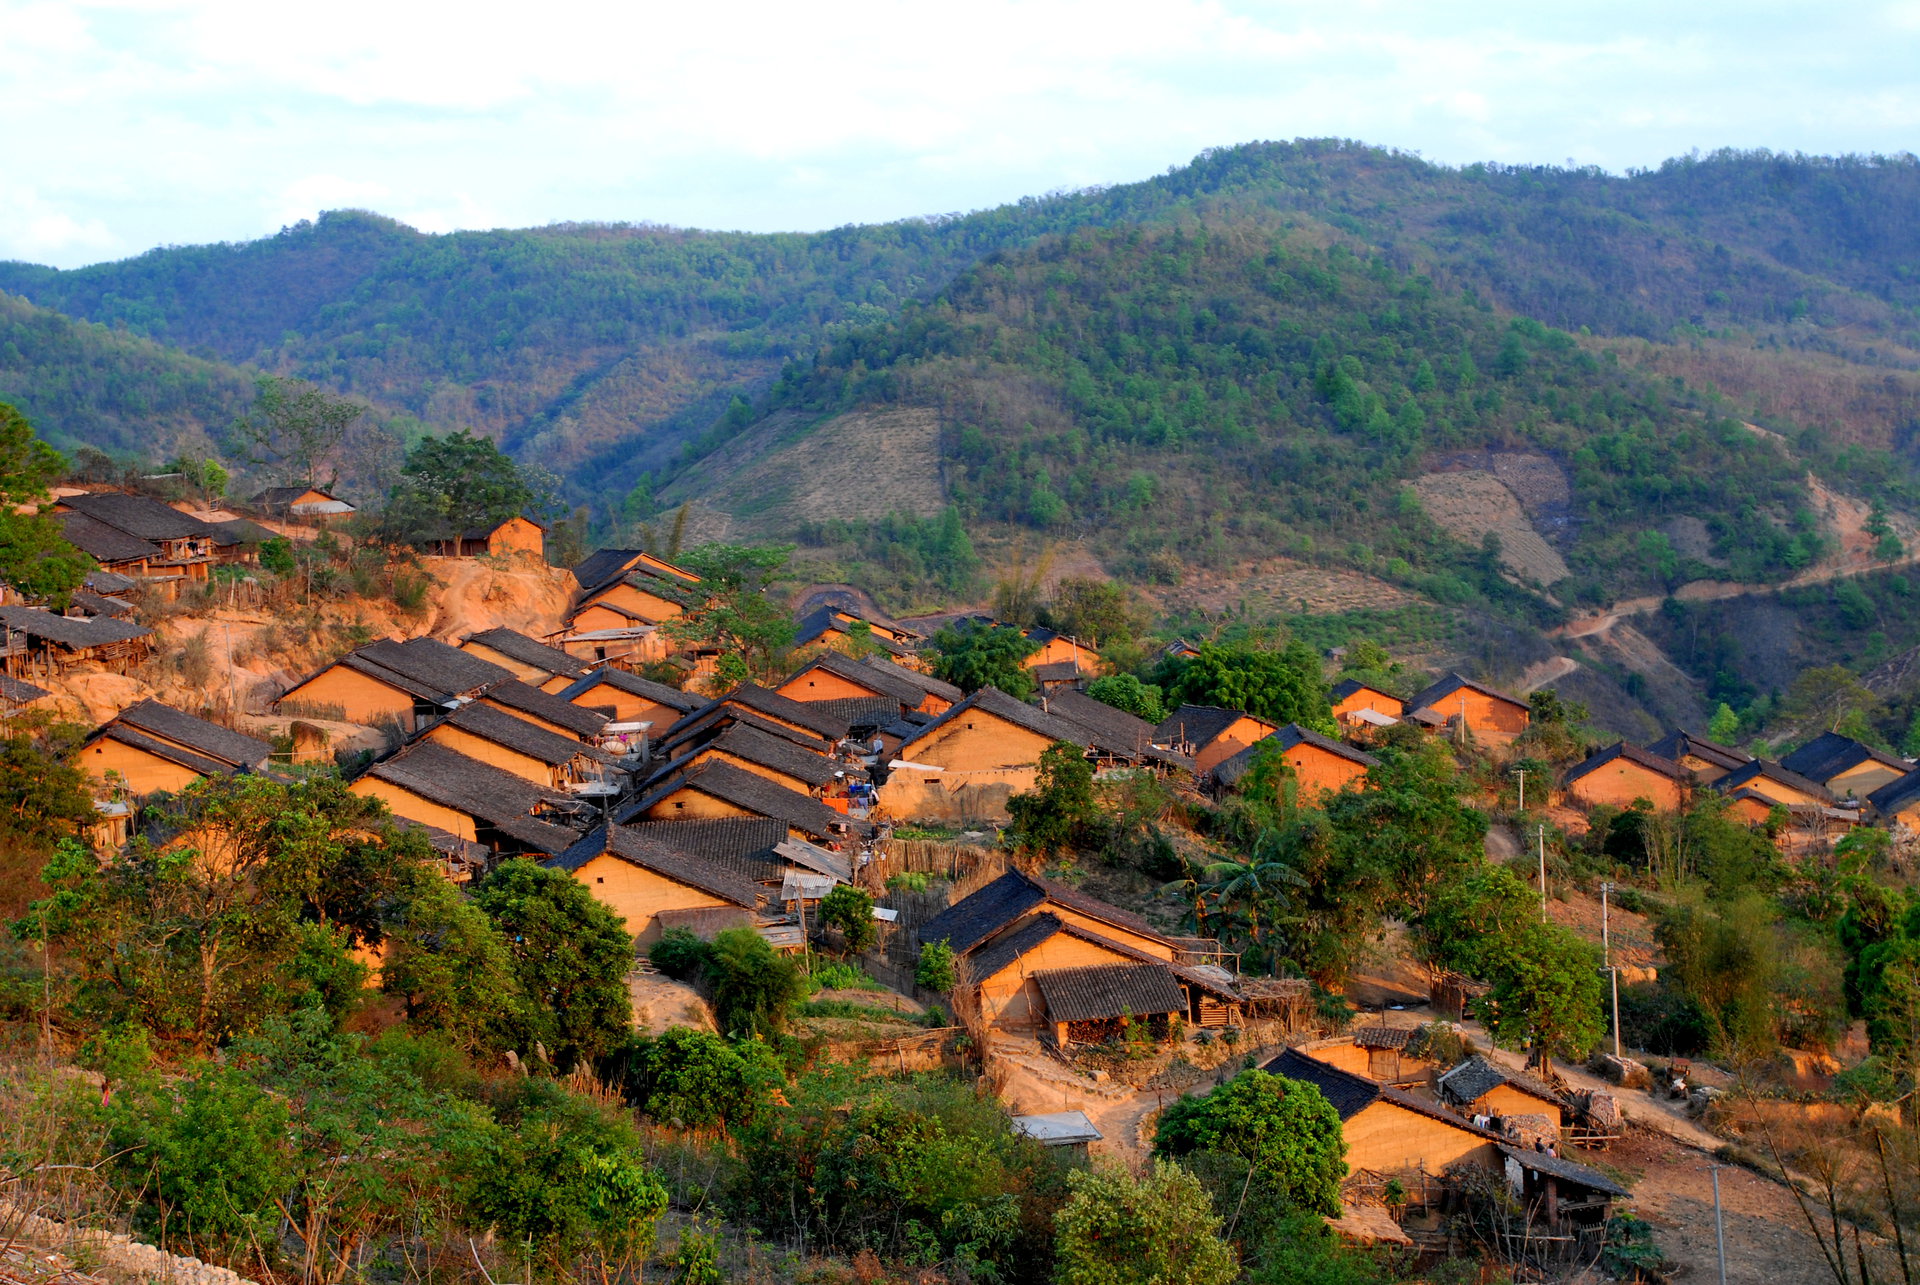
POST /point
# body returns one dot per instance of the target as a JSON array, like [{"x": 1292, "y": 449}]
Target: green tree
[
  {"x": 1286, "y": 1129},
  {"x": 695, "y": 1079},
  {"x": 35, "y": 557},
  {"x": 1124, "y": 691},
  {"x": 1828, "y": 696},
  {"x": 569, "y": 956},
  {"x": 972, "y": 656},
  {"x": 934, "y": 969},
  {"x": 293, "y": 431},
  {"x": 1160, "y": 1229},
  {"x": 1058, "y": 812},
  {"x": 850, "y": 909},
  {"x": 451, "y": 485},
  {"x": 451, "y": 970},
  {"x": 1546, "y": 991},
  {"x": 44, "y": 799},
  {"x": 731, "y": 610},
  {"x": 1724, "y": 725},
  {"x": 754, "y": 986},
  {"x": 1283, "y": 686},
  {"x": 1097, "y": 612}
]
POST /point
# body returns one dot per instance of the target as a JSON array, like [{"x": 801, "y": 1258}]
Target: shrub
[
  {"x": 680, "y": 954},
  {"x": 1285, "y": 1128},
  {"x": 934, "y": 971},
  {"x": 1116, "y": 1229},
  {"x": 694, "y": 1079},
  {"x": 754, "y": 987},
  {"x": 850, "y": 909}
]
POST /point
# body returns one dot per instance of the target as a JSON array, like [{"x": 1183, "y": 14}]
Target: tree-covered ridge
[
  {"x": 603, "y": 348},
  {"x": 1209, "y": 394}
]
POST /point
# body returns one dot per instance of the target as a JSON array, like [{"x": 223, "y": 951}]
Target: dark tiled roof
[
  {"x": 1058, "y": 671},
  {"x": 489, "y": 794},
  {"x": 277, "y": 496},
  {"x": 1474, "y": 1078},
  {"x": 517, "y": 734},
  {"x": 709, "y": 721},
  {"x": 1632, "y": 754},
  {"x": 860, "y": 713},
  {"x": 161, "y": 749},
  {"x": 649, "y": 853},
  {"x": 1111, "y": 730},
  {"x": 1198, "y": 724},
  {"x": 527, "y": 699},
  {"x": 99, "y": 605},
  {"x": 1109, "y": 990},
  {"x": 110, "y": 582},
  {"x": 1829, "y": 754},
  {"x": 73, "y": 632},
  {"x": 137, "y": 515},
  {"x": 1350, "y": 1094},
  {"x": 1005, "y": 949},
  {"x": 1763, "y": 770},
  {"x": 1564, "y": 1170},
  {"x": 632, "y": 685},
  {"x": 925, "y": 682},
  {"x": 1428, "y": 698},
  {"x": 604, "y": 566},
  {"x": 102, "y": 542},
  {"x": 1229, "y": 770},
  {"x": 772, "y": 704},
  {"x": 973, "y": 919},
  {"x": 756, "y": 746},
  {"x": 882, "y": 682},
  {"x": 993, "y": 701},
  {"x": 1894, "y": 795},
  {"x": 434, "y": 665},
  {"x": 758, "y": 795},
  {"x": 1381, "y": 1037},
  {"x": 1348, "y": 686},
  {"x": 238, "y": 531},
  {"x": 1676, "y": 745},
  {"x": 19, "y": 693},
  {"x": 530, "y": 651},
  {"x": 740, "y": 841},
  {"x": 197, "y": 734}
]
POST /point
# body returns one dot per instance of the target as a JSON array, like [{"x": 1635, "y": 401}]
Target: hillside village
[{"x": 694, "y": 791}]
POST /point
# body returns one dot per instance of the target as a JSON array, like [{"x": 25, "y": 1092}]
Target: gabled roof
[
  {"x": 973, "y": 919},
  {"x": 16, "y": 692},
  {"x": 74, "y": 632},
  {"x": 1895, "y": 795},
  {"x": 1829, "y": 754},
  {"x": 881, "y": 682},
  {"x": 197, "y": 734},
  {"x": 1763, "y": 770},
  {"x": 1101, "y": 991},
  {"x": 1563, "y": 1169},
  {"x": 755, "y": 794},
  {"x": 434, "y": 665},
  {"x": 102, "y": 542},
  {"x": 530, "y": 651},
  {"x": 737, "y": 842},
  {"x": 858, "y": 712},
  {"x": 925, "y": 682},
  {"x": 1198, "y": 724},
  {"x": 710, "y": 720},
  {"x": 1474, "y": 1078},
  {"x": 993, "y": 701},
  {"x": 1348, "y": 686},
  {"x": 825, "y": 620},
  {"x": 1112, "y": 730},
  {"x": 771, "y": 704},
  {"x": 1429, "y": 698},
  {"x": 604, "y": 566},
  {"x": 1678, "y": 744},
  {"x": 1350, "y": 1094},
  {"x": 518, "y": 735},
  {"x": 632, "y": 685},
  {"x": 503, "y": 801},
  {"x": 95, "y": 604},
  {"x": 1632, "y": 754},
  {"x": 756, "y": 746},
  {"x": 649, "y": 853},
  {"x": 235, "y": 532},
  {"x": 110, "y": 582},
  {"x": 133, "y": 736},
  {"x": 528, "y": 699},
  {"x": 137, "y": 515},
  {"x": 1229, "y": 770}
]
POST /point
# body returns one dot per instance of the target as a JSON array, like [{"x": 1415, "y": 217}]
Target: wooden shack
[{"x": 39, "y": 642}]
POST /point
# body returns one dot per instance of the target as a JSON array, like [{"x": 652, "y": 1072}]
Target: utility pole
[
  {"x": 1606, "y": 956},
  {"x": 1719, "y": 1228},
  {"x": 1543, "y": 874},
  {"x": 1521, "y": 772}
]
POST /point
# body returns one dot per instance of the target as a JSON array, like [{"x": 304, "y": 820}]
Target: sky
[{"x": 135, "y": 123}]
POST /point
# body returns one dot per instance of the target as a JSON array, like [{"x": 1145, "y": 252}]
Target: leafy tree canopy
[
  {"x": 569, "y": 955},
  {"x": 1161, "y": 1229},
  {"x": 1282, "y": 686},
  {"x": 972, "y": 656},
  {"x": 1285, "y": 1128},
  {"x": 454, "y": 484}
]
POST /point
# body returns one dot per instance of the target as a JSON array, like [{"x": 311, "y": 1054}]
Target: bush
[
  {"x": 680, "y": 954},
  {"x": 934, "y": 969},
  {"x": 836, "y": 975},
  {"x": 1285, "y": 1128},
  {"x": 754, "y": 987},
  {"x": 850, "y": 909},
  {"x": 1116, "y": 1229},
  {"x": 695, "y": 1079}
]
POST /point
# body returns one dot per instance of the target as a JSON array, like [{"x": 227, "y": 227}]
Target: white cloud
[{"x": 307, "y": 197}]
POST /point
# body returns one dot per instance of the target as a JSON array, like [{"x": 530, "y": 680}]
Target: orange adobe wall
[
  {"x": 1317, "y": 770},
  {"x": 1244, "y": 731},
  {"x": 1488, "y": 717},
  {"x": 1367, "y": 698},
  {"x": 142, "y": 773},
  {"x": 823, "y": 685},
  {"x": 518, "y": 535},
  {"x": 1620, "y": 782}
]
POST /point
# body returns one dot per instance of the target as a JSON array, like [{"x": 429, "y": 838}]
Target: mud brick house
[
  {"x": 629, "y": 698},
  {"x": 1115, "y": 736},
  {"x": 1485, "y": 1087},
  {"x": 1060, "y": 649},
  {"x": 1776, "y": 784},
  {"x": 832, "y": 676},
  {"x": 301, "y": 502},
  {"x": 723, "y": 790},
  {"x": 475, "y": 801},
  {"x": 650, "y": 883},
  {"x": 549, "y": 760},
  {"x": 1356, "y": 704},
  {"x": 405, "y": 683},
  {"x": 642, "y": 593},
  {"x": 1043, "y": 956},
  {"x": 971, "y": 759},
  {"x": 750, "y": 701},
  {"x": 516, "y": 535},
  {"x": 1845, "y": 767},
  {"x": 527, "y": 659},
  {"x": 1488, "y": 713},
  {"x": 149, "y": 747},
  {"x": 839, "y": 628},
  {"x": 1621, "y": 774},
  {"x": 1700, "y": 756},
  {"x": 40, "y": 642},
  {"x": 762, "y": 753},
  {"x": 1377, "y": 1052},
  {"x": 112, "y": 548},
  {"x": 1898, "y": 802},
  {"x": 1389, "y": 1130},
  {"x": 1211, "y": 735},
  {"x": 1320, "y": 764},
  {"x": 545, "y": 710},
  {"x": 603, "y": 567},
  {"x": 186, "y": 545}
]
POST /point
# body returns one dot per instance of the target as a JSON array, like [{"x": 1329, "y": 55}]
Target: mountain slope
[{"x": 602, "y": 350}]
